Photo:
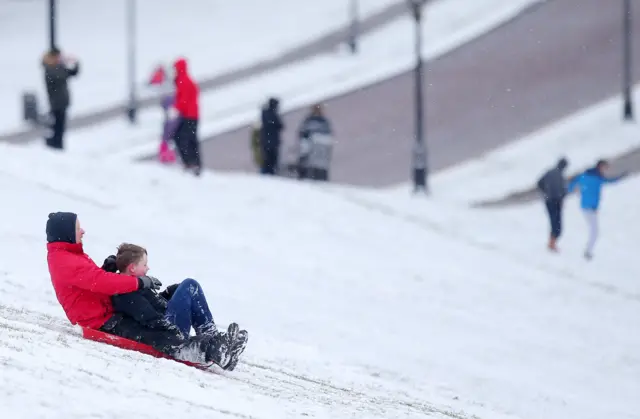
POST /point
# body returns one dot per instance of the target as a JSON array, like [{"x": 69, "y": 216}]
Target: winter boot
[
  {"x": 197, "y": 349},
  {"x": 209, "y": 329},
  {"x": 240, "y": 342},
  {"x": 217, "y": 350},
  {"x": 221, "y": 344}
]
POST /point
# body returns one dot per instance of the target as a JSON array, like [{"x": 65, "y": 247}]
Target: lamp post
[
  {"x": 627, "y": 28},
  {"x": 52, "y": 24},
  {"x": 419, "y": 154},
  {"x": 353, "y": 27},
  {"x": 132, "y": 106}
]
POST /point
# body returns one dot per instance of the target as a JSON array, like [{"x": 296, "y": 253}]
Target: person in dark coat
[
  {"x": 316, "y": 146},
  {"x": 270, "y": 134},
  {"x": 554, "y": 189},
  {"x": 57, "y": 71},
  {"x": 187, "y": 107}
]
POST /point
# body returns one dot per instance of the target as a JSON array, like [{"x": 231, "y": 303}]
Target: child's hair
[{"x": 127, "y": 254}]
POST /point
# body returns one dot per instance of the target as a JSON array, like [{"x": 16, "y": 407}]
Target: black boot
[
  {"x": 220, "y": 344},
  {"x": 196, "y": 349},
  {"x": 233, "y": 342},
  {"x": 240, "y": 342}
]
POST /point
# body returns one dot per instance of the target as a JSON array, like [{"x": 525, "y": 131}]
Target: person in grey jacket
[
  {"x": 554, "y": 189},
  {"x": 57, "y": 71},
  {"x": 316, "y": 146}
]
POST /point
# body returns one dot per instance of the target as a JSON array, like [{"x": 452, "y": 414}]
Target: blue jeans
[{"x": 188, "y": 307}]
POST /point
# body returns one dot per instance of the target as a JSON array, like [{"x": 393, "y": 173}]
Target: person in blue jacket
[{"x": 590, "y": 183}]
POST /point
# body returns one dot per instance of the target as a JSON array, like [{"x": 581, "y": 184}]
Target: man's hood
[
  {"x": 61, "y": 227},
  {"x": 180, "y": 66}
]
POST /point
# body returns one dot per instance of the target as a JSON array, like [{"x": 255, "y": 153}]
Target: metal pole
[
  {"x": 627, "y": 28},
  {"x": 420, "y": 150},
  {"x": 52, "y": 24},
  {"x": 131, "y": 47},
  {"x": 353, "y": 29}
]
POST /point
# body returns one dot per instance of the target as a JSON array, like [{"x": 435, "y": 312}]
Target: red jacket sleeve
[{"x": 90, "y": 277}]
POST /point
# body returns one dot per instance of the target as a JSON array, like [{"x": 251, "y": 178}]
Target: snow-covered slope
[
  {"x": 217, "y": 36},
  {"x": 358, "y": 305}
]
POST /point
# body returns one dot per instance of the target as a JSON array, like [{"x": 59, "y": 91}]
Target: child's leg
[
  {"x": 188, "y": 307},
  {"x": 592, "y": 222}
]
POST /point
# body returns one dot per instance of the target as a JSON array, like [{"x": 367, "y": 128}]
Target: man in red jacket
[
  {"x": 186, "y": 106},
  {"x": 84, "y": 290}
]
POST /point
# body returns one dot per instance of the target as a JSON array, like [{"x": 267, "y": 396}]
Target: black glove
[
  {"x": 149, "y": 282},
  {"x": 109, "y": 264},
  {"x": 169, "y": 291}
]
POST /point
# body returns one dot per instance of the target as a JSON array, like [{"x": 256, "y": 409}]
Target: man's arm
[
  {"x": 615, "y": 178},
  {"x": 574, "y": 182},
  {"x": 90, "y": 277},
  {"x": 73, "y": 71}
]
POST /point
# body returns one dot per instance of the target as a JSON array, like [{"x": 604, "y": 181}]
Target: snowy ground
[
  {"x": 215, "y": 35},
  {"x": 359, "y": 304},
  {"x": 384, "y": 53}
]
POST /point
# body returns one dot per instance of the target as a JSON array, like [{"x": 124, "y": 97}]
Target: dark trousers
[
  {"x": 270, "y": 161},
  {"x": 554, "y": 210},
  {"x": 58, "y": 126},
  {"x": 162, "y": 340},
  {"x": 186, "y": 138}
]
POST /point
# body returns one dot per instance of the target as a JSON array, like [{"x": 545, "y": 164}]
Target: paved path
[
  {"x": 318, "y": 46},
  {"x": 556, "y": 58},
  {"x": 627, "y": 162}
]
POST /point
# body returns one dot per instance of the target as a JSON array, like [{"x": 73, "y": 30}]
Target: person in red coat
[
  {"x": 84, "y": 291},
  {"x": 187, "y": 108}
]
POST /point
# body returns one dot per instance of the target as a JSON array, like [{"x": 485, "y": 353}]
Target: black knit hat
[{"x": 61, "y": 227}]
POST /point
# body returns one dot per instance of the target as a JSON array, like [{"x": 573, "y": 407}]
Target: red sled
[{"x": 131, "y": 345}]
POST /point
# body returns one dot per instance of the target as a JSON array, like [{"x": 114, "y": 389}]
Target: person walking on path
[
  {"x": 590, "y": 183},
  {"x": 553, "y": 187}
]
